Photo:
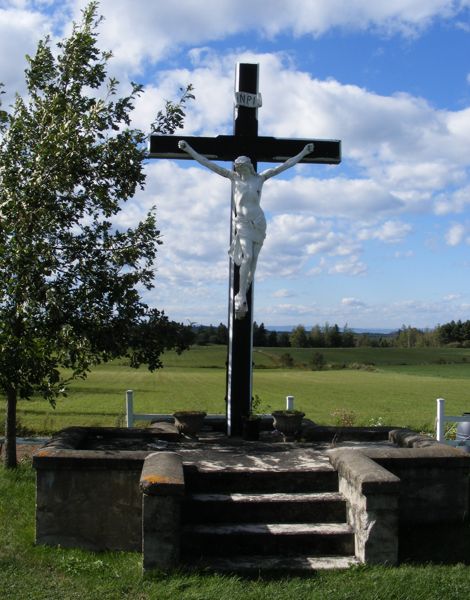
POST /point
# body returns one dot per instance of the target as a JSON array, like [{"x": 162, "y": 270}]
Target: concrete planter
[
  {"x": 288, "y": 422},
  {"x": 189, "y": 422}
]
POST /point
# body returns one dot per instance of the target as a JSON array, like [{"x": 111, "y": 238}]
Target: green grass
[
  {"x": 400, "y": 388},
  {"x": 29, "y": 572}
]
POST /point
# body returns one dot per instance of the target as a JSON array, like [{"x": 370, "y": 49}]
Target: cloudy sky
[{"x": 379, "y": 241}]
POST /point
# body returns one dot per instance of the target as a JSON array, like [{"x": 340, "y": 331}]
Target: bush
[{"x": 286, "y": 360}]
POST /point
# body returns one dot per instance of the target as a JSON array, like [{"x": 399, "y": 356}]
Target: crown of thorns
[{"x": 242, "y": 160}]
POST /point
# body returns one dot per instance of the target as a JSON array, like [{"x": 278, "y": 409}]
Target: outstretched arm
[
  {"x": 204, "y": 161},
  {"x": 288, "y": 164}
]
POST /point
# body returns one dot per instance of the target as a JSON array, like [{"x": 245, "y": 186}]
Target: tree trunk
[{"x": 10, "y": 460}]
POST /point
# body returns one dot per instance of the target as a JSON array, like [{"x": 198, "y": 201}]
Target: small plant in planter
[
  {"x": 288, "y": 422},
  {"x": 252, "y": 423},
  {"x": 189, "y": 422}
]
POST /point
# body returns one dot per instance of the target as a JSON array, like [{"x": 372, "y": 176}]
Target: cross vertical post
[
  {"x": 240, "y": 344},
  {"x": 245, "y": 141}
]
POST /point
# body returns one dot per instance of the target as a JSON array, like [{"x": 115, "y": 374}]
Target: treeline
[
  {"x": 319, "y": 337},
  {"x": 455, "y": 333},
  {"x": 209, "y": 334}
]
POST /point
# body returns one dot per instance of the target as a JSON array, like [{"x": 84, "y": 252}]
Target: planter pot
[
  {"x": 288, "y": 423},
  {"x": 251, "y": 429},
  {"x": 463, "y": 434},
  {"x": 189, "y": 422}
]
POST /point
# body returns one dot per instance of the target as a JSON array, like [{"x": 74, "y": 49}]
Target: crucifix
[{"x": 248, "y": 226}]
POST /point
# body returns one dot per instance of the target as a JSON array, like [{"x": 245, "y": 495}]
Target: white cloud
[
  {"x": 339, "y": 197},
  {"x": 20, "y": 30},
  {"x": 403, "y": 254},
  {"x": 282, "y": 293},
  {"x": 164, "y": 26},
  {"x": 392, "y": 139},
  {"x": 401, "y": 156},
  {"x": 352, "y": 267},
  {"x": 455, "y": 234},
  {"x": 452, "y": 202},
  {"x": 353, "y": 303},
  {"x": 390, "y": 232}
]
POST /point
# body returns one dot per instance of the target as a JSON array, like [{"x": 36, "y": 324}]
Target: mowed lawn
[{"x": 397, "y": 386}]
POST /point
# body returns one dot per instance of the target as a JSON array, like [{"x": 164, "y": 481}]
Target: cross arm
[{"x": 259, "y": 148}]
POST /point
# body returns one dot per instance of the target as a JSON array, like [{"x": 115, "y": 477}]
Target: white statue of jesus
[{"x": 250, "y": 222}]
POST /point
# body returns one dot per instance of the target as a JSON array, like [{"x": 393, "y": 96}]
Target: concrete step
[
  {"x": 228, "y": 539},
  {"x": 253, "y": 564},
  {"x": 253, "y": 480},
  {"x": 320, "y": 507}
]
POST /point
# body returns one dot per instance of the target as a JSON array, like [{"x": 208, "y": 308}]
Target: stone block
[{"x": 162, "y": 487}]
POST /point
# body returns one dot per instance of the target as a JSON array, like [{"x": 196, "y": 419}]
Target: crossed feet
[{"x": 241, "y": 306}]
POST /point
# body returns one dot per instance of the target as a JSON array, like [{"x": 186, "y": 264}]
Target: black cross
[{"x": 244, "y": 142}]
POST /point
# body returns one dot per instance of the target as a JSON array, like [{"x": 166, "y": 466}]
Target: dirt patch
[{"x": 23, "y": 451}]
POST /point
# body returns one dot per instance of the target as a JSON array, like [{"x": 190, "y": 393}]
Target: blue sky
[{"x": 379, "y": 241}]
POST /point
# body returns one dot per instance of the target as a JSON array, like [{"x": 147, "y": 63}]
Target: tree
[
  {"x": 284, "y": 339},
  {"x": 222, "y": 334},
  {"x": 348, "y": 339},
  {"x": 333, "y": 337},
  {"x": 317, "y": 339},
  {"x": 260, "y": 335},
  {"x": 298, "y": 337},
  {"x": 272, "y": 339},
  {"x": 69, "y": 158}
]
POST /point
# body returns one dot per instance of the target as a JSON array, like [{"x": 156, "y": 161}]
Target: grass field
[
  {"x": 29, "y": 572},
  {"x": 397, "y": 386}
]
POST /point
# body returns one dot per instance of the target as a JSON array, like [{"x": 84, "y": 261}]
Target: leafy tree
[
  {"x": 317, "y": 339},
  {"x": 68, "y": 279},
  {"x": 408, "y": 337},
  {"x": 284, "y": 339},
  {"x": 299, "y": 338}
]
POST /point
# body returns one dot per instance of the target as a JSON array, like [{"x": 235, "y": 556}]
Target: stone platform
[{"x": 332, "y": 501}]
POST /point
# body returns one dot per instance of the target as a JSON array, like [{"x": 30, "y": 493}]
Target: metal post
[
  {"x": 130, "y": 408},
  {"x": 239, "y": 362},
  {"x": 440, "y": 421}
]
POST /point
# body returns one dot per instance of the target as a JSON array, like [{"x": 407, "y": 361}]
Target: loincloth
[{"x": 246, "y": 229}]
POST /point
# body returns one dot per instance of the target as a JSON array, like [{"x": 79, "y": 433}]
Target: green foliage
[
  {"x": 172, "y": 117},
  {"x": 455, "y": 332},
  {"x": 344, "y": 417},
  {"x": 208, "y": 334},
  {"x": 260, "y": 335},
  {"x": 286, "y": 360},
  {"x": 318, "y": 361},
  {"x": 298, "y": 337},
  {"x": 69, "y": 278}
]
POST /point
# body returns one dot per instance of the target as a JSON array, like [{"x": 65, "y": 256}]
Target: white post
[
  {"x": 130, "y": 408},
  {"x": 440, "y": 423},
  {"x": 289, "y": 402}
]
